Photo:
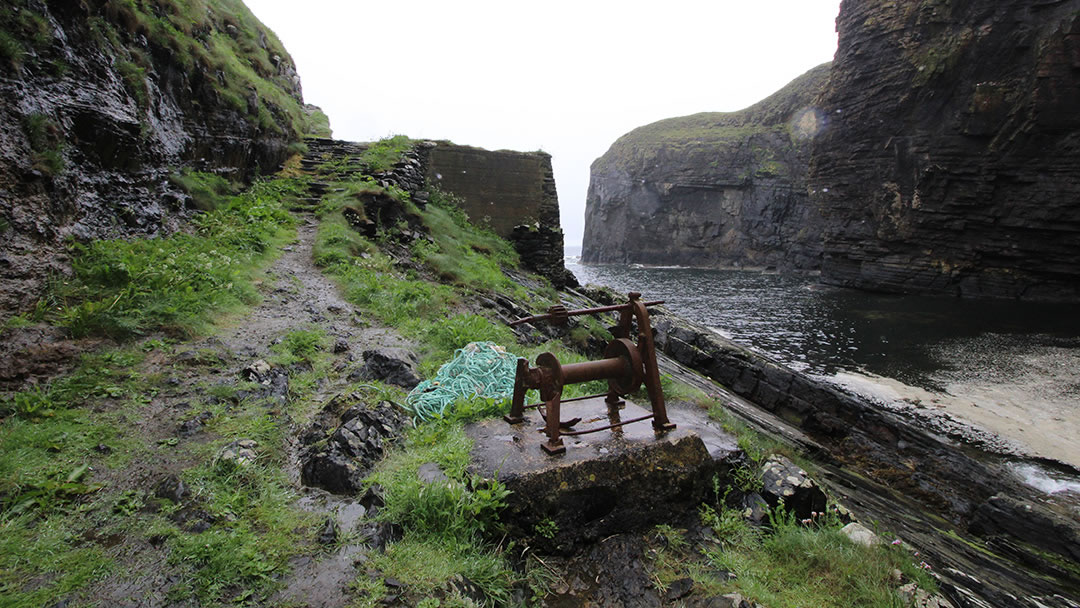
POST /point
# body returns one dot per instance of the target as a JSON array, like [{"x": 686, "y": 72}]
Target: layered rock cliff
[
  {"x": 951, "y": 158},
  {"x": 101, "y": 101},
  {"x": 711, "y": 189}
]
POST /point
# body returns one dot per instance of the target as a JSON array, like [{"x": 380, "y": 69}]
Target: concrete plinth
[{"x": 607, "y": 482}]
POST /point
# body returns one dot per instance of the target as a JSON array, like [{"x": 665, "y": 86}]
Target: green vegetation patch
[
  {"x": 382, "y": 155},
  {"x": 792, "y": 564},
  {"x": 256, "y": 527},
  {"x": 46, "y": 143},
  {"x": 23, "y": 32},
  {"x": 445, "y": 522},
  {"x": 55, "y": 507},
  {"x": 463, "y": 253},
  {"x": 123, "y": 288}
]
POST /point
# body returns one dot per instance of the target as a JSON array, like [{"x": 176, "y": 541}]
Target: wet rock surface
[
  {"x": 349, "y": 436},
  {"x": 949, "y": 158},
  {"x": 606, "y": 482},
  {"x": 926, "y": 490},
  {"x": 611, "y": 573},
  {"x": 390, "y": 365},
  {"x": 785, "y": 482},
  {"x": 86, "y": 151}
]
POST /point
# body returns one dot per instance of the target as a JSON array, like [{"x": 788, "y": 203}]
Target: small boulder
[
  {"x": 430, "y": 473},
  {"x": 915, "y": 597},
  {"x": 329, "y": 533},
  {"x": 192, "y": 426},
  {"x": 240, "y": 452},
  {"x": 860, "y": 535},
  {"x": 171, "y": 488},
  {"x": 256, "y": 372},
  {"x": 340, "y": 463},
  {"x": 679, "y": 589},
  {"x": 785, "y": 481},
  {"x": 273, "y": 383},
  {"x": 729, "y": 600},
  {"x": 395, "y": 366}
]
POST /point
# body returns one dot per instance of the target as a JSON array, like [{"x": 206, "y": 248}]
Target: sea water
[{"x": 1010, "y": 367}]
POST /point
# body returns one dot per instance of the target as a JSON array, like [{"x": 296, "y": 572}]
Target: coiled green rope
[{"x": 481, "y": 369}]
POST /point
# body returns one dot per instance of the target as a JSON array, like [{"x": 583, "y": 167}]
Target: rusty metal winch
[{"x": 625, "y": 366}]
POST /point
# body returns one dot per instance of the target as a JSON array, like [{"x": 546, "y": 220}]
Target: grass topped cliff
[
  {"x": 249, "y": 68},
  {"x": 719, "y": 128}
]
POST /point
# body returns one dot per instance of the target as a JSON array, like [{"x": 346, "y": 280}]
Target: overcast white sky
[{"x": 565, "y": 77}]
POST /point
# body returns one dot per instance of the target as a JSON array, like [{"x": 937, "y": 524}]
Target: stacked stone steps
[
  {"x": 344, "y": 155},
  {"x": 344, "y": 160}
]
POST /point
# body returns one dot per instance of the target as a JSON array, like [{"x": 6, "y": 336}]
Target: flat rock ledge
[{"x": 606, "y": 483}]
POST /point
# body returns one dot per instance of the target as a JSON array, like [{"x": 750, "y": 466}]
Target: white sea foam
[{"x": 1044, "y": 481}]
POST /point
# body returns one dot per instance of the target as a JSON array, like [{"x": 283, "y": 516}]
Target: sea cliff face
[
  {"x": 712, "y": 189},
  {"x": 950, "y": 161},
  {"x": 102, "y": 101}
]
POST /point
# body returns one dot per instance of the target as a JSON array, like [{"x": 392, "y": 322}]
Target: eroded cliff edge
[
  {"x": 712, "y": 189},
  {"x": 103, "y": 101},
  {"x": 951, "y": 158}
]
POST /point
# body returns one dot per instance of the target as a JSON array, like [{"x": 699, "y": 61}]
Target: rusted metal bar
[
  {"x": 614, "y": 425},
  {"x": 579, "y": 312},
  {"x": 538, "y": 404}
]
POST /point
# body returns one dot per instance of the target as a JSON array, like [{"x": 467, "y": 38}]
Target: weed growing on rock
[
  {"x": 206, "y": 190},
  {"x": 301, "y": 345},
  {"x": 789, "y": 563}
]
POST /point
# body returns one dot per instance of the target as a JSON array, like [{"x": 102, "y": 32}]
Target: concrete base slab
[{"x": 607, "y": 482}]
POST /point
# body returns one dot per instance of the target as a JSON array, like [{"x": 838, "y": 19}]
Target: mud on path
[{"x": 295, "y": 296}]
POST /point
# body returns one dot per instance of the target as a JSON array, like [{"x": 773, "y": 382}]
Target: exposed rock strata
[
  {"x": 101, "y": 102},
  {"x": 712, "y": 189},
  {"x": 888, "y": 464},
  {"x": 951, "y": 157}
]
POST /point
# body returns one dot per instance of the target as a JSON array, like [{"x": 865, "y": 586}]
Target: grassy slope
[
  {"x": 220, "y": 37},
  {"x": 715, "y": 129}
]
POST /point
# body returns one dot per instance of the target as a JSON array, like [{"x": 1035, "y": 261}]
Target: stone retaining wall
[{"x": 513, "y": 193}]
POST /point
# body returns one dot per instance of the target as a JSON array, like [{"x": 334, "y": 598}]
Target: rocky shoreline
[{"x": 900, "y": 468}]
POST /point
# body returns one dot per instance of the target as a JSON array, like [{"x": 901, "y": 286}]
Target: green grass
[
  {"x": 382, "y": 155},
  {"x": 46, "y": 143},
  {"x": 23, "y": 31},
  {"x": 122, "y": 288},
  {"x": 318, "y": 123},
  {"x": 52, "y": 551},
  {"x": 301, "y": 345},
  {"x": 462, "y": 253},
  {"x": 257, "y": 527},
  {"x": 55, "y": 440},
  {"x": 134, "y": 78},
  {"x": 786, "y": 564},
  {"x": 445, "y": 523},
  {"x": 756, "y": 446}
]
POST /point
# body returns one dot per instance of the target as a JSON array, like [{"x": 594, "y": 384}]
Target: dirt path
[{"x": 295, "y": 296}]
